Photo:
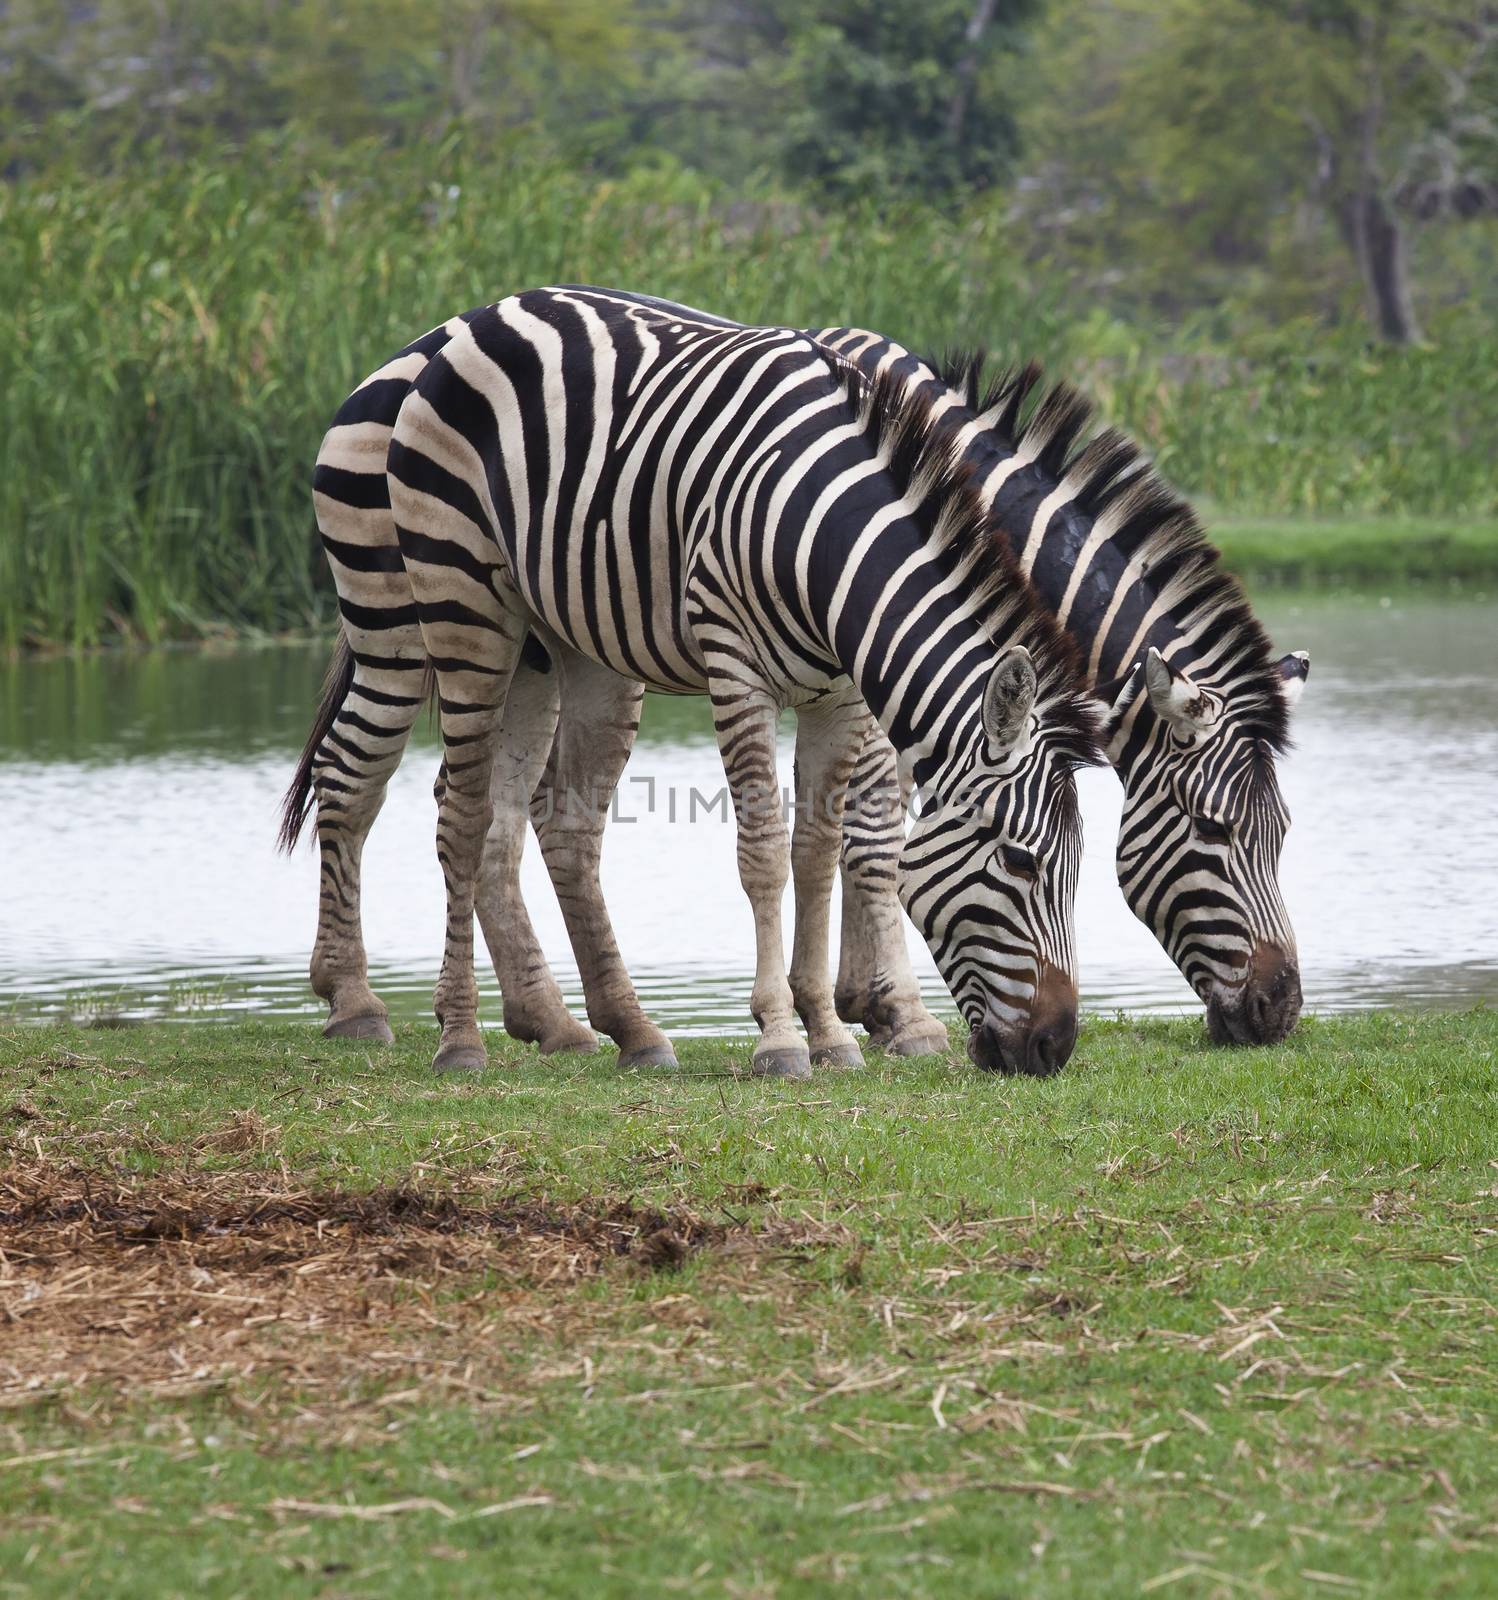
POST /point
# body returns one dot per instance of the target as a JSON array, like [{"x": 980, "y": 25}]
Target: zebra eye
[
  {"x": 1020, "y": 862},
  {"x": 1212, "y": 830}
]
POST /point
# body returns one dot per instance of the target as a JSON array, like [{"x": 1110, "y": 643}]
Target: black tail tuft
[{"x": 297, "y": 806}]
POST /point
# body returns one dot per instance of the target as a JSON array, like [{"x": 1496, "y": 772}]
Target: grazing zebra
[
  {"x": 592, "y": 715},
  {"x": 1198, "y": 704},
  {"x": 711, "y": 508}
]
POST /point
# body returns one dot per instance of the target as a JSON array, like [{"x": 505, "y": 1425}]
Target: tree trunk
[
  {"x": 965, "y": 72},
  {"x": 1371, "y": 226},
  {"x": 1377, "y": 241}
]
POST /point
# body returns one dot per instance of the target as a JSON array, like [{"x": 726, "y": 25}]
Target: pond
[{"x": 139, "y": 878}]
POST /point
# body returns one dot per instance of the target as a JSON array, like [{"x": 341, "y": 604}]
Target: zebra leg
[
  {"x": 876, "y": 984},
  {"x": 853, "y": 944},
  {"x": 471, "y": 698},
  {"x": 829, "y": 733},
  {"x": 600, "y": 717},
  {"x": 744, "y": 716},
  {"x": 533, "y": 1006},
  {"x": 864, "y": 841},
  {"x": 473, "y": 636},
  {"x": 349, "y": 773}
]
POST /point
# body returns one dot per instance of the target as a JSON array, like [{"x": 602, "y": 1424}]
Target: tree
[
  {"x": 853, "y": 98},
  {"x": 1417, "y": 137},
  {"x": 885, "y": 97},
  {"x": 1211, "y": 128},
  {"x": 175, "y": 72}
]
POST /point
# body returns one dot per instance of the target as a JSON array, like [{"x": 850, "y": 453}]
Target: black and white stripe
[
  {"x": 712, "y": 508},
  {"x": 1198, "y": 703}
]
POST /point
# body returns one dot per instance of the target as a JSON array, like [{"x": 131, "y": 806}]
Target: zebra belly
[{"x": 608, "y": 596}]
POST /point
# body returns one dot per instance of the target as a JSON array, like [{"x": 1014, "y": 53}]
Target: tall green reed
[
  {"x": 180, "y": 339},
  {"x": 1315, "y": 422},
  {"x": 177, "y": 339}
]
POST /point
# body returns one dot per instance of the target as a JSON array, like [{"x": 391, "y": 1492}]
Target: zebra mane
[
  {"x": 1157, "y": 527},
  {"x": 925, "y": 457}
]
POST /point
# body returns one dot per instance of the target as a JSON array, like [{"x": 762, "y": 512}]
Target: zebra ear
[
  {"x": 1295, "y": 668},
  {"x": 1113, "y": 697},
  {"x": 1175, "y": 698},
  {"x": 1008, "y": 698}
]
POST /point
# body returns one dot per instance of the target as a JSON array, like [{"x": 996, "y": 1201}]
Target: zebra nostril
[
  {"x": 1045, "y": 1054},
  {"x": 1271, "y": 1003},
  {"x": 995, "y": 1049},
  {"x": 1050, "y": 1048},
  {"x": 984, "y": 1049}
]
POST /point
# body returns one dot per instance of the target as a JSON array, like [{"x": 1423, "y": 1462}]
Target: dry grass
[{"x": 166, "y": 1285}]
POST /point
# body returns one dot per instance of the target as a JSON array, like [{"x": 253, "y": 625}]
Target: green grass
[
  {"x": 178, "y": 339},
  {"x": 1360, "y": 551},
  {"x": 1182, "y": 1321}
]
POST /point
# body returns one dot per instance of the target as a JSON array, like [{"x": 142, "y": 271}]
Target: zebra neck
[
  {"x": 1086, "y": 572},
  {"x": 917, "y": 653},
  {"x": 1098, "y": 592},
  {"x": 1113, "y": 554}
]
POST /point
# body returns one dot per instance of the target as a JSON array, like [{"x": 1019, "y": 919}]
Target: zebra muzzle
[
  {"x": 1044, "y": 1046},
  {"x": 1265, "y": 1007}
]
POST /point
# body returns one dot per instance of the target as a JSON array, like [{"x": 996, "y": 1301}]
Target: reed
[{"x": 178, "y": 337}]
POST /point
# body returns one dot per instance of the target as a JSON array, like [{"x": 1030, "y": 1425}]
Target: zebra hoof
[
  {"x": 649, "y": 1055},
  {"x": 794, "y": 1063},
  {"x": 839, "y": 1055},
  {"x": 459, "y": 1057},
  {"x": 919, "y": 1042},
  {"x": 576, "y": 1040},
  {"x": 371, "y": 1026}
]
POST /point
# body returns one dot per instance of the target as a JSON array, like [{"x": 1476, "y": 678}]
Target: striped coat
[
  {"x": 1197, "y": 700},
  {"x": 720, "y": 509}
]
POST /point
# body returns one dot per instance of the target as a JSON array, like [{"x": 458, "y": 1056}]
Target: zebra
[
  {"x": 556, "y": 694},
  {"x": 1213, "y": 903},
  {"x": 707, "y": 507},
  {"x": 1197, "y": 703}
]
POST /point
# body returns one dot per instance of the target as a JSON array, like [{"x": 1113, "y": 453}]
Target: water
[{"x": 138, "y": 797}]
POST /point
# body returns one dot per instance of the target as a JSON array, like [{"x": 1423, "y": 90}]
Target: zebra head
[
  {"x": 988, "y": 873},
  {"x": 1199, "y": 845}
]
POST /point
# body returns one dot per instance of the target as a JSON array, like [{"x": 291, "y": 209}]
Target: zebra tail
[{"x": 297, "y": 806}]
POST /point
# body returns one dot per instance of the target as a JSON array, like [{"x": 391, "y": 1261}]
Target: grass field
[
  {"x": 1360, "y": 552},
  {"x": 284, "y": 1317}
]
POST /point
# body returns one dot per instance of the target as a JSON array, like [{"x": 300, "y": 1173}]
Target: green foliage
[
  {"x": 1169, "y": 155},
  {"x": 1305, "y": 422},
  {"x": 856, "y": 97},
  {"x": 187, "y": 74},
  {"x": 1195, "y": 151},
  {"x": 874, "y": 98},
  {"x": 179, "y": 338}
]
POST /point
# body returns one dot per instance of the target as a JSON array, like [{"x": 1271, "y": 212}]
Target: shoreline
[{"x": 1273, "y": 554}]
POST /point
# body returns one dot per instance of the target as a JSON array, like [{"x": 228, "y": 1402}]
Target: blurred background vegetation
[{"x": 1263, "y": 233}]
